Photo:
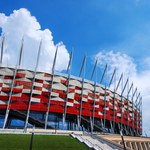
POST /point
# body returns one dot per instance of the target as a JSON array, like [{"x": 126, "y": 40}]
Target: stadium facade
[{"x": 62, "y": 101}]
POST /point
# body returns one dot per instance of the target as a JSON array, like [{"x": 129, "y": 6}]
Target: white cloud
[
  {"x": 21, "y": 23},
  {"x": 141, "y": 78},
  {"x": 146, "y": 63},
  {"x": 122, "y": 62}
]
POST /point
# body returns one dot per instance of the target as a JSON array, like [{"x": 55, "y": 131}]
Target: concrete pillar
[
  {"x": 140, "y": 145},
  {"x": 136, "y": 146},
  {"x": 145, "y": 146},
  {"x": 148, "y": 145}
]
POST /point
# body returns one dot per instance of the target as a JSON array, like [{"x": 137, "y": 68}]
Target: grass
[{"x": 40, "y": 142}]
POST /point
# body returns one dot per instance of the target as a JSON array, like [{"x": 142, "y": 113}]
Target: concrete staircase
[
  {"x": 94, "y": 143},
  {"x": 113, "y": 141}
]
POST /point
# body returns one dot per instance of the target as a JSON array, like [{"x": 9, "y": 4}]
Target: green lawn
[{"x": 40, "y": 142}]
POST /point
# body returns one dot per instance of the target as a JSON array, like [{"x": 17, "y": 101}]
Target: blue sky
[
  {"x": 95, "y": 27},
  {"x": 88, "y": 25}
]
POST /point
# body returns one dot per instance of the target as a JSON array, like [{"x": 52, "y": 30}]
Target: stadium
[{"x": 63, "y": 101}]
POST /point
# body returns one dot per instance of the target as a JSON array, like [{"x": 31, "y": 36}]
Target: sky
[{"x": 113, "y": 32}]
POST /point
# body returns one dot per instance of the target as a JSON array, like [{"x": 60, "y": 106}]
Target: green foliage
[{"x": 40, "y": 142}]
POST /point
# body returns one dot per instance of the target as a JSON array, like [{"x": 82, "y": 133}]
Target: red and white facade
[{"x": 20, "y": 88}]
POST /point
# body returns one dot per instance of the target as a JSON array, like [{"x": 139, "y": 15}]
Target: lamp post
[
  {"x": 122, "y": 139},
  {"x": 31, "y": 141}
]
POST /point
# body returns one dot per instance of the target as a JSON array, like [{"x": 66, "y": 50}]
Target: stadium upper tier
[{"x": 72, "y": 99}]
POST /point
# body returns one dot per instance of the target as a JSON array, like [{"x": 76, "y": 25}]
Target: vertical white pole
[
  {"x": 2, "y": 50},
  {"x": 67, "y": 91},
  {"x": 34, "y": 75},
  {"x": 11, "y": 88},
  {"x": 51, "y": 88},
  {"x": 83, "y": 67}
]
